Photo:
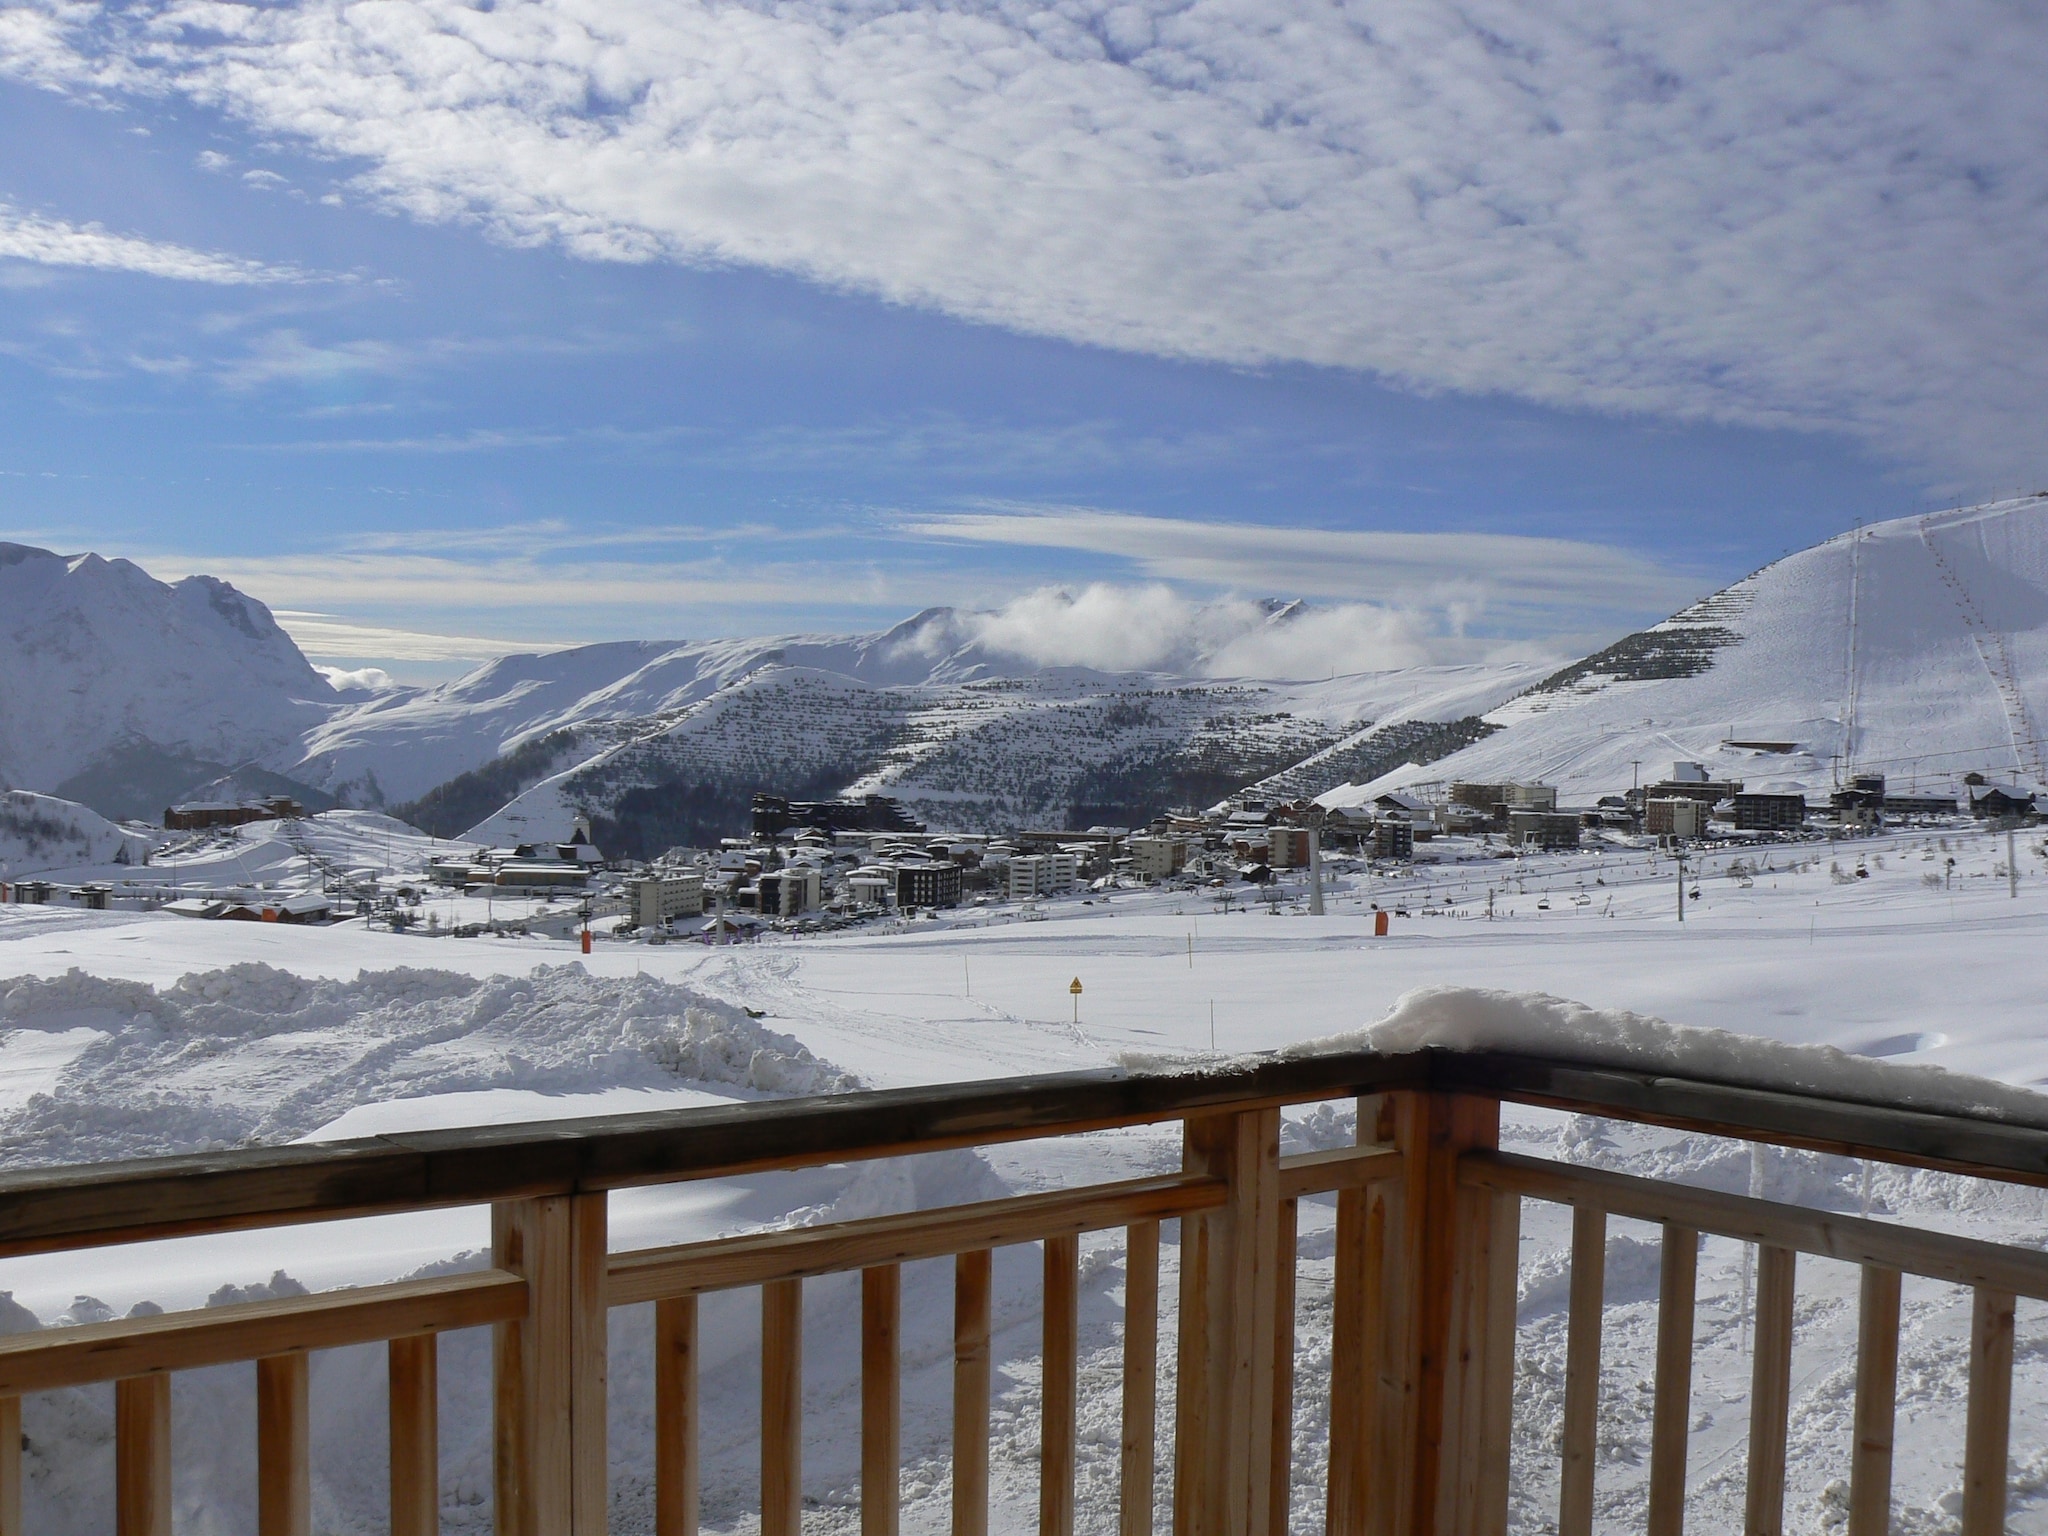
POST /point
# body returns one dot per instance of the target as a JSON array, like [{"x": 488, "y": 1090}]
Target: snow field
[{"x": 107, "y": 1048}]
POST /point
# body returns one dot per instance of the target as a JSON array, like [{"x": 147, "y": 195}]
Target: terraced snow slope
[{"x": 1917, "y": 648}]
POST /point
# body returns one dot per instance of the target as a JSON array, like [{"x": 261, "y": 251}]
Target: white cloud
[
  {"x": 54, "y": 243},
  {"x": 357, "y": 679},
  {"x": 1154, "y": 628},
  {"x": 1826, "y": 215},
  {"x": 1512, "y": 580}
]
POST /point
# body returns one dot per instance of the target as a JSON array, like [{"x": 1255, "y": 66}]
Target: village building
[
  {"x": 927, "y": 884},
  {"x": 1043, "y": 874},
  {"x": 199, "y": 815},
  {"x": 1770, "y": 809},
  {"x": 1676, "y": 816},
  {"x": 1158, "y": 858},
  {"x": 794, "y": 890},
  {"x": 661, "y": 897},
  {"x": 1543, "y": 829}
]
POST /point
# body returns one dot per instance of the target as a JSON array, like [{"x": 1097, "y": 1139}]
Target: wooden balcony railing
[{"x": 1422, "y": 1356}]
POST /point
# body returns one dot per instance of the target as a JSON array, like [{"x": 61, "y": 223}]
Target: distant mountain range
[{"x": 1917, "y": 647}]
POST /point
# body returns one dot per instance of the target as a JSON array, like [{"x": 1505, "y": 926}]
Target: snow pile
[
  {"x": 41, "y": 832},
  {"x": 1482, "y": 1019},
  {"x": 252, "y": 1054}
]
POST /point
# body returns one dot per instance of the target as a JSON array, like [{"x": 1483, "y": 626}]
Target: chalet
[{"x": 1991, "y": 802}]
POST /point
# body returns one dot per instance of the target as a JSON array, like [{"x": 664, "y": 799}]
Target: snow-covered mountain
[
  {"x": 1051, "y": 747},
  {"x": 119, "y": 690},
  {"x": 664, "y": 743},
  {"x": 1916, "y": 648},
  {"x": 40, "y": 832}
]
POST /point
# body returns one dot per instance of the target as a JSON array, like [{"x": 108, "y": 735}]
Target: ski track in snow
[{"x": 276, "y": 1035}]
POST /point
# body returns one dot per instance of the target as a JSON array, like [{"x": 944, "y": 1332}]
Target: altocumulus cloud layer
[{"x": 1815, "y": 215}]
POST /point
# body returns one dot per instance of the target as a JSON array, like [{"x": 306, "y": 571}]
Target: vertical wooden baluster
[
  {"x": 1061, "y": 1380},
  {"x": 10, "y": 1466},
  {"x": 972, "y": 1277},
  {"x": 1191, "y": 1377},
  {"x": 1877, "y": 1385},
  {"x": 412, "y": 1368},
  {"x": 284, "y": 1486},
  {"x": 782, "y": 1394},
  {"x": 1988, "y": 1425},
  {"x": 550, "y": 1368},
  {"x": 675, "y": 1416},
  {"x": 1671, "y": 1420},
  {"x": 142, "y": 1456},
  {"x": 1141, "y": 1379},
  {"x": 1770, "y": 1393},
  {"x": 881, "y": 1399},
  {"x": 1344, "y": 1499},
  {"x": 590, "y": 1363},
  {"x": 1281, "y": 1488},
  {"x": 1582, "y": 1372}
]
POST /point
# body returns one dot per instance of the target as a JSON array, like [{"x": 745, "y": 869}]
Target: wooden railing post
[
  {"x": 1671, "y": 1409},
  {"x": 1224, "y": 1418},
  {"x": 676, "y": 1434},
  {"x": 1987, "y": 1426},
  {"x": 1141, "y": 1380},
  {"x": 414, "y": 1373},
  {"x": 1344, "y": 1506},
  {"x": 1877, "y": 1384},
  {"x": 973, "y": 1284},
  {"x": 881, "y": 1399},
  {"x": 1059, "y": 1384},
  {"x": 551, "y": 1368},
  {"x": 1465, "y": 1321},
  {"x": 1582, "y": 1372},
  {"x": 10, "y": 1466},
  {"x": 1451, "y": 1273},
  {"x": 782, "y": 1408},
  {"x": 142, "y": 1456},
  {"x": 284, "y": 1477}
]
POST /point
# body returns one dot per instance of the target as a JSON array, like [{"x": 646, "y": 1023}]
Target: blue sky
[{"x": 442, "y": 328}]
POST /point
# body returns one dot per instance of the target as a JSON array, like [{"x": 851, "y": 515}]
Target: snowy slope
[
  {"x": 1059, "y": 747},
  {"x": 393, "y": 748},
  {"x": 1906, "y": 965},
  {"x": 118, "y": 689},
  {"x": 41, "y": 832},
  {"x": 405, "y": 744},
  {"x": 1917, "y": 648}
]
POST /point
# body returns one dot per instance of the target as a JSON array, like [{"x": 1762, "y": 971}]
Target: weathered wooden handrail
[
  {"x": 73, "y": 1207},
  {"x": 1428, "y": 1217}
]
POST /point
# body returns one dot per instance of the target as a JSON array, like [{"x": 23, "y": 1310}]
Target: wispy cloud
[
  {"x": 1827, "y": 215},
  {"x": 1519, "y": 581},
  {"x": 54, "y": 243},
  {"x": 326, "y": 635}
]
